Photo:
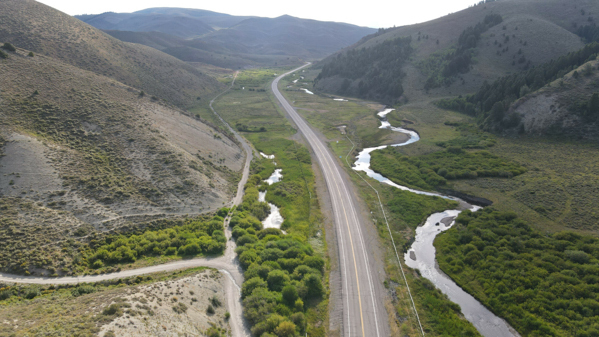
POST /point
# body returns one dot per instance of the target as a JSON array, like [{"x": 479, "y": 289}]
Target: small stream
[
  {"x": 274, "y": 219},
  {"x": 421, "y": 254}
]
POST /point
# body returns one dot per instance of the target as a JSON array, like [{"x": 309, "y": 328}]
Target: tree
[{"x": 31, "y": 54}]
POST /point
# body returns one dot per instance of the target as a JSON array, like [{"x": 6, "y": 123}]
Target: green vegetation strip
[
  {"x": 192, "y": 239},
  {"x": 435, "y": 169},
  {"x": 544, "y": 285}
]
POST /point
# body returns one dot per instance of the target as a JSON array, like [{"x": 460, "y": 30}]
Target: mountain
[
  {"x": 82, "y": 153},
  {"x": 455, "y": 54},
  {"x": 44, "y": 30},
  {"x": 180, "y": 26},
  {"x": 232, "y": 41},
  {"x": 567, "y": 107},
  {"x": 287, "y": 35}
]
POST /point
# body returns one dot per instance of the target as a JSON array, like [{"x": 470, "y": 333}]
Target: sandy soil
[{"x": 163, "y": 299}]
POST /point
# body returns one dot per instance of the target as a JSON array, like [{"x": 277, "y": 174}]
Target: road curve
[
  {"x": 227, "y": 264},
  {"x": 364, "y": 313}
]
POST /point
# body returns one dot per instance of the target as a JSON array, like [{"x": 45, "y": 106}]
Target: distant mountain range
[{"x": 224, "y": 40}]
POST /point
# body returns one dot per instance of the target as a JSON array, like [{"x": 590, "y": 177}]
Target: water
[
  {"x": 275, "y": 177},
  {"x": 421, "y": 254},
  {"x": 272, "y": 156},
  {"x": 274, "y": 219},
  {"x": 307, "y": 91},
  {"x": 340, "y": 100}
]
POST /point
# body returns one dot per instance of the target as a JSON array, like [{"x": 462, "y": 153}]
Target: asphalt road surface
[{"x": 364, "y": 313}]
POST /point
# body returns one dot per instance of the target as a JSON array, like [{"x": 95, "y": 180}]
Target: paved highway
[{"x": 364, "y": 313}]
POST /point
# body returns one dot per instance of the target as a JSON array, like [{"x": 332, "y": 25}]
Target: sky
[{"x": 369, "y": 13}]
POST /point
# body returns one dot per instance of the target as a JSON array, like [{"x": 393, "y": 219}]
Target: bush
[
  {"x": 113, "y": 309},
  {"x": 3, "y": 55},
  {"x": 277, "y": 280},
  {"x": 314, "y": 285},
  {"x": 82, "y": 290},
  {"x": 31, "y": 54},
  {"x": 180, "y": 308},
  {"x": 31, "y": 293},
  {"x": 285, "y": 329},
  {"x": 249, "y": 285},
  {"x": 215, "y": 302},
  {"x": 210, "y": 309},
  {"x": 9, "y": 47},
  {"x": 290, "y": 294}
]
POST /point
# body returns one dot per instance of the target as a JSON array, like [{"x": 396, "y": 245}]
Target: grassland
[
  {"x": 326, "y": 114},
  {"x": 250, "y": 104}
]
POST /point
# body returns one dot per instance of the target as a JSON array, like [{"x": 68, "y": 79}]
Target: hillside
[
  {"x": 234, "y": 42},
  {"x": 287, "y": 35},
  {"x": 44, "y": 30},
  {"x": 178, "y": 25},
  {"x": 568, "y": 106},
  {"x": 84, "y": 154},
  {"x": 530, "y": 33}
]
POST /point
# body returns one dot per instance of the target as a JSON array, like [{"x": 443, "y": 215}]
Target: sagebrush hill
[
  {"x": 457, "y": 53},
  {"x": 44, "y": 30},
  {"x": 83, "y": 154}
]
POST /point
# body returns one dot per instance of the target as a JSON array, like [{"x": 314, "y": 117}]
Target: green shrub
[
  {"x": 112, "y": 310},
  {"x": 181, "y": 308},
  {"x": 31, "y": 292},
  {"x": 210, "y": 310},
  {"x": 524, "y": 276},
  {"x": 9, "y": 47},
  {"x": 3, "y": 55}
]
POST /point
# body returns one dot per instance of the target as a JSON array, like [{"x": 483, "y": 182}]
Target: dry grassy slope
[
  {"x": 83, "y": 149},
  {"x": 144, "y": 309},
  {"x": 44, "y": 30},
  {"x": 559, "y": 106},
  {"x": 547, "y": 26}
]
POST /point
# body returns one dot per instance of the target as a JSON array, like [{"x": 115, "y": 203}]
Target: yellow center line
[
  {"x": 326, "y": 162},
  {"x": 350, "y": 238}
]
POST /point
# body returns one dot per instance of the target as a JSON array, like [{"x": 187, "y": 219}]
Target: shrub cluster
[
  {"x": 281, "y": 273},
  {"x": 194, "y": 238},
  {"x": 435, "y": 169},
  {"x": 544, "y": 285}
]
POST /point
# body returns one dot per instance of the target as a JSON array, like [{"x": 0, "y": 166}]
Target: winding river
[{"x": 421, "y": 254}]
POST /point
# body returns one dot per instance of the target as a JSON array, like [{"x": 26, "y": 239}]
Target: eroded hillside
[{"x": 83, "y": 153}]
